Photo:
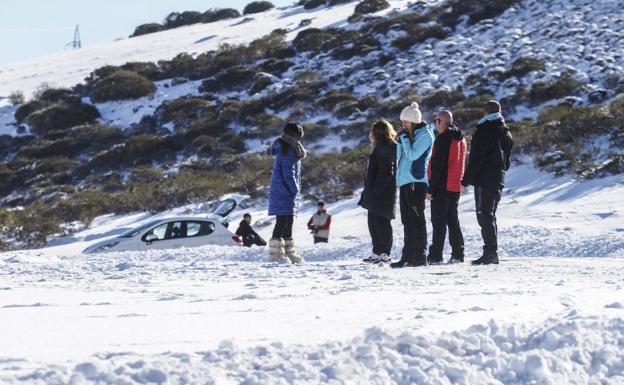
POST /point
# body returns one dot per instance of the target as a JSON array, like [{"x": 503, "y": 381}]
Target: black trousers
[
  {"x": 380, "y": 231},
  {"x": 283, "y": 226},
  {"x": 412, "y": 201},
  {"x": 486, "y": 203},
  {"x": 443, "y": 215},
  {"x": 253, "y": 239}
]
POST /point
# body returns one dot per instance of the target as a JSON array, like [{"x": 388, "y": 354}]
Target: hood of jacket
[{"x": 456, "y": 133}]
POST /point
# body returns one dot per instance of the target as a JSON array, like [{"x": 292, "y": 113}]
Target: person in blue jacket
[
  {"x": 415, "y": 143},
  {"x": 284, "y": 193}
]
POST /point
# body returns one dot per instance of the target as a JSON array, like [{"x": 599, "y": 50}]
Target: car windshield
[
  {"x": 137, "y": 230},
  {"x": 224, "y": 207}
]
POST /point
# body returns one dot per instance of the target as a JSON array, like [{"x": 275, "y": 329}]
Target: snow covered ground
[{"x": 551, "y": 313}]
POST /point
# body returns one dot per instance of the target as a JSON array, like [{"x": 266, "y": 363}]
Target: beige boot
[
  {"x": 291, "y": 252},
  {"x": 276, "y": 251}
]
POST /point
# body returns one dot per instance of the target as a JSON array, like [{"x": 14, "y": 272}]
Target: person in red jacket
[
  {"x": 446, "y": 170},
  {"x": 319, "y": 224}
]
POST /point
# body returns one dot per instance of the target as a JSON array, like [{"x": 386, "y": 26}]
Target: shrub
[
  {"x": 26, "y": 109},
  {"x": 66, "y": 147},
  {"x": 419, "y": 35},
  {"x": 183, "y": 110},
  {"x": 541, "y": 91},
  {"x": 330, "y": 100},
  {"x": 276, "y": 66},
  {"x": 288, "y": 97},
  {"x": 476, "y": 10},
  {"x": 122, "y": 85},
  {"x": 236, "y": 78},
  {"x": 95, "y": 137},
  {"x": 524, "y": 65},
  {"x": 61, "y": 116},
  {"x": 466, "y": 118},
  {"x": 443, "y": 99},
  {"x": 261, "y": 82},
  {"x": 213, "y": 15},
  {"x": 145, "y": 29},
  {"x": 16, "y": 97},
  {"x": 149, "y": 70},
  {"x": 347, "y": 174},
  {"x": 371, "y": 6},
  {"x": 176, "y": 19},
  {"x": 137, "y": 150},
  {"x": 257, "y": 7},
  {"x": 311, "y": 4},
  {"x": 316, "y": 131}
]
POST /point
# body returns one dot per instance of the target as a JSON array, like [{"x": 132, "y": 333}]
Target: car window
[
  {"x": 225, "y": 207},
  {"x": 160, "y": 232},
  {"x": 176, "y": 230},
  {"x": 199, "y": 228},
  {"x": 137, "y": 230}
]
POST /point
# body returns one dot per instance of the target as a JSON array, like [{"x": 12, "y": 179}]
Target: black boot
[
  {"x": 400, "y": 263},
  {"x": 434, "y": 260},
  {"x": 486, "y": 260},
  {"x": 419, "y": 261}
]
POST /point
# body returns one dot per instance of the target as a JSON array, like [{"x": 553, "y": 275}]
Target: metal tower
[{"x": 76, "y": 43}]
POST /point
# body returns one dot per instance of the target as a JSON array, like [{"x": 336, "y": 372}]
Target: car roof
[{"x": 187, "y": 218}]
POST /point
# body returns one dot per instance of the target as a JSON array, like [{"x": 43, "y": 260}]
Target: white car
[{"x": 174, "y": 232}]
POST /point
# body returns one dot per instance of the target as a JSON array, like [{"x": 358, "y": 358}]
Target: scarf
[
  {"x": 490, "y": 117},
  {"x": 296, "y": 144}
]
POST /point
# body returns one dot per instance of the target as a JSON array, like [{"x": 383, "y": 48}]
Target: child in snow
[
  {"x": 446, "y": 170},
  {"x": 319, "y": 224},
  {"x": 415, "y": 140},
  {"x": 284, "y": 193},
  {"x": 490, "y": 150},
  {"x": 248, "y": 235},
  {"x": 379, "y": 195}
]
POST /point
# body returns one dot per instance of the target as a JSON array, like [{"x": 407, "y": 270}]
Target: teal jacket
[{"x": 413, "y": 156}]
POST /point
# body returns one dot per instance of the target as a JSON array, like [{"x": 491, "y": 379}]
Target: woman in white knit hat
[{"x": 415, "y": 142}]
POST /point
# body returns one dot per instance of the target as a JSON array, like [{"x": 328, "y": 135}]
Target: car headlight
[{"x": 105, "y": 247}]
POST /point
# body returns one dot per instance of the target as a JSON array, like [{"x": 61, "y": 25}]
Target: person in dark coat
[
  {"x": 284, "y": 193},
  {"x": 379, "y": 194},
  {"x": 247, "y": 234},
  {"x": 489, "y": 160},
  {"x": 446, "y": 170}
]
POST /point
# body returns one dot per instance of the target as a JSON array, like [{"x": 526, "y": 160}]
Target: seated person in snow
[
  {"x": 249, "y": 236},
  {"x": 319, "y": 224}
]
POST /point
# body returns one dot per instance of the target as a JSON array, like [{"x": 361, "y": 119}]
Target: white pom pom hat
[{"x": 411, "y": 113}]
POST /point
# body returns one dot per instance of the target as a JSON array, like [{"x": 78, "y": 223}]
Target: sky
[{"x": 32, "y": 28}]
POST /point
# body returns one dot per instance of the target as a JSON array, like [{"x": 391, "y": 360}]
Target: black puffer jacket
[
  {"x": 379, "y": 195},
  {"x": 489, "y": 158}
]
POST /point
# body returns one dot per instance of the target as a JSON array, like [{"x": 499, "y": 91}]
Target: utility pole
[{"x": 76, "y": 43}]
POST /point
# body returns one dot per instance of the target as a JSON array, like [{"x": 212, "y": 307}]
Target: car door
[
  {"x": 199, "y": 233},
  {"x": 169, "y": 235}
]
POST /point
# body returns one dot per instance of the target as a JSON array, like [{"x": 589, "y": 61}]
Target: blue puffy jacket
[
  {"x": 413, "y": 156},
  {"x": 285, "y": 185}
]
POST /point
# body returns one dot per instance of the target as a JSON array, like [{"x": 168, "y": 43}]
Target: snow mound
[{"x": 572, "y": 350}]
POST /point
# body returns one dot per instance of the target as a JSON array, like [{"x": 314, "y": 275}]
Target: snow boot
[
  {"x": 486, "y": 260},
  {"x": 454, "y": 260},
  {"x": 434, "y": 261},
  {"x": 277, "y": 252},
  {"x": 378, "y": 259},
  {"x": 291, "y": 252},
  {"x": 404, "y": 262}
]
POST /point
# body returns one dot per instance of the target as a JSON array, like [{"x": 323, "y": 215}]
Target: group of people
[{"x": 424, "y": 162}]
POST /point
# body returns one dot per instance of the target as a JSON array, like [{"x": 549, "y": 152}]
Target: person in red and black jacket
[{"x": 446, "y": 170}]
